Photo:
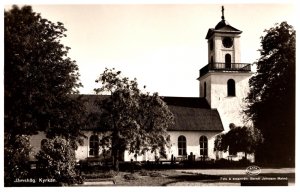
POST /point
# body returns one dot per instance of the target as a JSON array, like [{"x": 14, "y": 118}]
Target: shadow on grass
[{"x": 193, "y": 177}]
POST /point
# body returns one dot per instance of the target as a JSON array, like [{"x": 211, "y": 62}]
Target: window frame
[
  {"x": 231, "y": 92},
  {"x": 203, "y": 143},
  {"x": 94, "y": 145},
  {"x": 228, "y": 61},
  {"x": 181, "y": 141}
]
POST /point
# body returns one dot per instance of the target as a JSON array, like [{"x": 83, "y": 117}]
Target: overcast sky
[{"x": 163, "y": 46}]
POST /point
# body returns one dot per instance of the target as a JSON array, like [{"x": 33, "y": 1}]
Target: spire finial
[{"x": 223, "y": 18}]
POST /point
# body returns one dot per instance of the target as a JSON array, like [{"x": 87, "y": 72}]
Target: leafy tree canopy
[
  {"x": 57, "y": 161},
  {"x": 17, "y": 154},
  {"x": 138, "y": 120},
  {"x": 271, "y": 100},
  {"x": 239, "y": 139},
  {"x": 39, "y": 76}
]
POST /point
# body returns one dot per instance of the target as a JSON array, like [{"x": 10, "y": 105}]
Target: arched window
[
  {"x": 203, "y": 145},
  {"x": 204, "y": 89},
  {"x": 181, "y": 145},
  {"x": 227, "y": 61},
  {"x": 230, "y": 88},
  {"x": 94, "y": 145}
]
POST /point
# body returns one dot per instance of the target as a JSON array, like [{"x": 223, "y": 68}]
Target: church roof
[
  {"x": 191, "y": 102},
  {"x": 222, "y": 27},
  {"x": 195, "y": 119},
  {"x": 221, "y": 24},
  {"x": 191, "y": 113}
]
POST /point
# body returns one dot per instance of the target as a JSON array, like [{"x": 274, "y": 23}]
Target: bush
[
  {"x": 144, "y": 173},
  {"x": 150, "y": 173},
  {"x": 16, "y": 158},
  {"x": 130, "y": 177},
  {"x": 155, "y": 174},
  {"x": 110, "y": 174},
  {"x": 244, "y": 161},
  {"x": 222, "y": 162},
  {"x": 57, "y": 161}
]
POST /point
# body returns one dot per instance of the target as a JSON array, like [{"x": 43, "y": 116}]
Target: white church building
[{"x": 223, "y": 85}]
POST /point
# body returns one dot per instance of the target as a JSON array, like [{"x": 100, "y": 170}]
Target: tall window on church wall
[
  {"x": 94, "y": 145},
  {"x": 203, "y": 146},
  {"x": 230, "y": 88},
  {"x": 181, "y": 145},
  {"x": 227, "y": 61},
  {"x": 204, "y": 89}
]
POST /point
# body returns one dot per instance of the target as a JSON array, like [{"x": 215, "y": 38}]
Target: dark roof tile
[
  {"x": 195, "y": 119},
  {"x": 193, "y": 102},
  {"x": 191, "y": 113}
]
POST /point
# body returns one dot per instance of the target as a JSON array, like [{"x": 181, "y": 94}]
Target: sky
[{"x": 162, "y": 45}]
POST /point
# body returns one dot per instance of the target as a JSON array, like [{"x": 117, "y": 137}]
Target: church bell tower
[{"x": 224, "y": 80}]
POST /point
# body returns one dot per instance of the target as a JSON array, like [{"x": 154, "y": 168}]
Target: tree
[
  {"x": 17, "y": 154},
  {"x": 38, "y": 74},
  {"x": 239, "y": 139},
  {"x": 39, "y": 79},
  {"x": 271, "y": 100},
  {"x": 138, "y": 120},
  {"x": 57, "y": 161}
]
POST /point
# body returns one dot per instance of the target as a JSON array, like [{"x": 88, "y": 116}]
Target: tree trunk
[
  {"x": 117, "y": 161},
  {"x": 115, "y": 151}
]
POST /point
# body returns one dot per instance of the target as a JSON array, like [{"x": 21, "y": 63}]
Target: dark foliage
[
  {"x": 39, "y": 80},
  {"x": 16, "y": 158},
  {"x": 130, "y": 177},
  {"x": 57, "y": 161},
  {"x": 239, "y": 139},
  {"x": 138, "y": 120},
  {"x": 155, "y": 174},
  {"x": 272, "y": 95},
  {"x": 38, "y": 77}
]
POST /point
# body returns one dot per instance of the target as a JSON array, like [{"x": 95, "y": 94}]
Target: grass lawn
[
  {"x": 180, "y": 178},
  {"x": 141, "y": 180},
  {"x": 157, "y": 178}
]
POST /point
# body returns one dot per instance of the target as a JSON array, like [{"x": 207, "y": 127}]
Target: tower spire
[{"x": 223, "y": 18}]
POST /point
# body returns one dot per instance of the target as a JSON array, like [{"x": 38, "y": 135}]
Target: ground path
[
  {"x": 183, "y": 175},
  {"x": 236, "y": 171},
  {"x": 231, "y": 172}
]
